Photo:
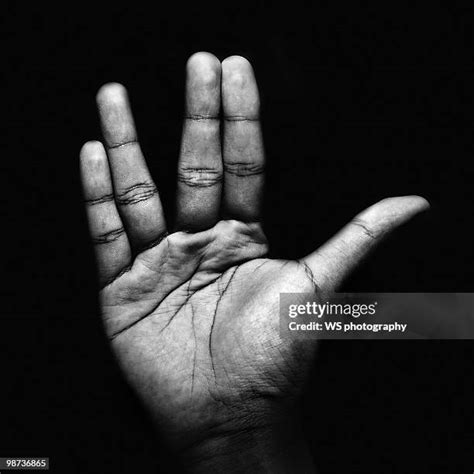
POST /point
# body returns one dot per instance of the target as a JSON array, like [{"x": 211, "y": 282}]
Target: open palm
[{"x": 193, "y": 315}]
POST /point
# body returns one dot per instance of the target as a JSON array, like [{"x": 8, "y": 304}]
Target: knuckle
[
  {"x": 366, "y": 227},
  {"x": 244, "y": 169},
  {"x": 136, "y": 193},
  {"x": 199, "y": 177},
  {"x": 108, "y": 237}
]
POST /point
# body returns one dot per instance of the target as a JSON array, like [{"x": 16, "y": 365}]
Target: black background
[{"x": 359, "y": 104}]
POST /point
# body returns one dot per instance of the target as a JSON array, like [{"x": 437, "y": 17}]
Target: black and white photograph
[{"x": 238, "y": 238}]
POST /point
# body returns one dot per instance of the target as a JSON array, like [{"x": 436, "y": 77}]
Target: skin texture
[{"x": 192, "y": 312}]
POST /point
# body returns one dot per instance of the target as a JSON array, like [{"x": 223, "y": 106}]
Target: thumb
[{"x": 338, "y": 257}]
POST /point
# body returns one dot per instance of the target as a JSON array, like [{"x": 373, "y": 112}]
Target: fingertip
[
  {"x": 240, "y": 97},
  {"x": 93, "y": 158},
  {"x": 236, "y": 62},
  {"x": 204, "y": 68},
  {"x": 420, "y": 203},
  {"x": 236, "y": 71},
  {"x": 115, "y": 115},
  {"x": 203, "y": 58},
  {"x": 111, "y": 92},
  {"x": 92, "y": 149},
  {"x": 412, "y": 204}
]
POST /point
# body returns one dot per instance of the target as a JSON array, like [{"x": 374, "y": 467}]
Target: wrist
[{"x": 277, "y": 448}]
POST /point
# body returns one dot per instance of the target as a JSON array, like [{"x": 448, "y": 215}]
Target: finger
[
  {"x": 200, "y": 161},
  {"x": 111, "y": 244},
  {"x": 135, "y": 192},
  {"x": 343, "y": 252},
  {"x": 243, "y": 145}
]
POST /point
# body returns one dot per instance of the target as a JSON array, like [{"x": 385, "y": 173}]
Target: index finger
[{"x": 243, "y": 152}]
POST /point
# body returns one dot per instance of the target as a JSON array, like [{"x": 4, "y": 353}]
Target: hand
[{"x": 193, "y": 315}]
